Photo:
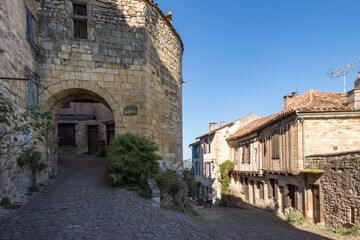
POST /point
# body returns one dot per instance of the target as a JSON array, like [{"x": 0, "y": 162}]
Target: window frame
[
  {"x": 79, "y": 19},
  {"x": 30, "y": 26}
]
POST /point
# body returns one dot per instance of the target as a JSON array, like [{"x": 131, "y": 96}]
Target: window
[
  {"x": 30, "y": 27},
  {"x": 208, "y": 166},
  {"x": 79, "y": 10},
  {"x": 66, "y": 134},
  {"x": 195, "y": 151},
  {"x": 236, "y": 156},
  {"x": 246, "y": 154},
  {"x": 275, "y": 146},
  {"x": 80, "y": 21},
  {"x": 206, "y": 145},
  {"x": 32, "y": 95}
]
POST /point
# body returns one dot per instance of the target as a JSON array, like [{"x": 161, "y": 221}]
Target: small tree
[
  {"x": 131, "y": 160},
  {"x": 32, "y": 158},
  {"x": 19, "y": 130}
]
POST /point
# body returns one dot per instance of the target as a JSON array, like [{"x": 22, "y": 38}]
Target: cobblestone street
[{"x": 79, "y": 205}]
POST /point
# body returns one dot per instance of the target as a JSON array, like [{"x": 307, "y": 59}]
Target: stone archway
[{"x": 54, "y": 97}]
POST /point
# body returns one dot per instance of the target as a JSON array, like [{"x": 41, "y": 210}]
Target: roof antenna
[{"x": 343, "y": 71}]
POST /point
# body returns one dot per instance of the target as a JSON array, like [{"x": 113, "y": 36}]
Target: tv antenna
[{"x": 343, "y": 71}]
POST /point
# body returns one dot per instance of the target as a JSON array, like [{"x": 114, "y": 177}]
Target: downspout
[{"x": 304, "y": 162}]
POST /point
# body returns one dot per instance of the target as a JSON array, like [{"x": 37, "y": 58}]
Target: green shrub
[
  {"x": 169, "y": 182},
  {"x": 191, "y": 212},
  {"x": 354, "y": 231},
  {"x": 296, "y": 217},
  {"x": 101, "y": 153},
  {"x": 190, "y": 182},
  {"x": 33, "y": 188},
  {"x": 131, "y": 160},
  {"x": 5, "y": 201}
]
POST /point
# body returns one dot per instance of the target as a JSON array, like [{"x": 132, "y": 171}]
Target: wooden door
[
  {"x": 66, "y": 134},
  {"x": 316, "y": 203},
  {"x": 93, "y": 139}
]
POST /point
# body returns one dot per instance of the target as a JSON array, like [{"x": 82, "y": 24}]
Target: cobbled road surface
[{"x": 79, "y": 205}]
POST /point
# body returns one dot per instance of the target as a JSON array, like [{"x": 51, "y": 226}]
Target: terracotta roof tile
[{"x": 312, "y": 100}]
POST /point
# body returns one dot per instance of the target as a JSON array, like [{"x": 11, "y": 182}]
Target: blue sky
[{"x": 242, "y": 57}]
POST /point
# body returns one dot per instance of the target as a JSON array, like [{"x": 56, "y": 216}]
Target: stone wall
[
  {"x": 131, "y": 62},
  {"x": 332, "y": 133},
  {"x": 340, "y": 187},
  {"x": 17, "y": 59},
  {"x": 132, "y": 57}
]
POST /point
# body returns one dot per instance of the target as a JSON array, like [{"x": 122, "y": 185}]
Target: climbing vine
[{"x": 225, "y": 169}]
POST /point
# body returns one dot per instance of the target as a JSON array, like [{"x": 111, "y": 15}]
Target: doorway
[
  {"x": 316, "y": 203},
  {"x": 93, "y": 139}
]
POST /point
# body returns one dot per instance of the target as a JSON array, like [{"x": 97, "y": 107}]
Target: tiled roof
[{"x": 312, "y": 100}]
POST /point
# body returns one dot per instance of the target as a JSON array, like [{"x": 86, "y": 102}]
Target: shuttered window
[
  {"x": 275, "y": 146},
  {"x": 30, "y": 27},
  {"x": 236, "y": 156},
  {"x": 246, "y": 154},
  {"x": 32, "y": 95}
]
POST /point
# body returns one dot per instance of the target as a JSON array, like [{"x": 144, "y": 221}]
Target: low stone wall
[{"x": 340, "y": 186}]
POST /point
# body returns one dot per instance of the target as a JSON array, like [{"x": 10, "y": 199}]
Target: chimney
[
  {"x": 289, "y": 99},
  {"x": 213, "y": 126},
  {"x": 223, "y": 123},
  {"x": 354, "y": 96},
  {"x": 169, "y": 16}
]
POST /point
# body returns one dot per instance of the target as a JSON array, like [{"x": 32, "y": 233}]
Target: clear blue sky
[{"x": 242, "y": 57}]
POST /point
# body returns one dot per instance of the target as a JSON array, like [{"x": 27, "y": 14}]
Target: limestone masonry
[{"x": 124, "y": 54}]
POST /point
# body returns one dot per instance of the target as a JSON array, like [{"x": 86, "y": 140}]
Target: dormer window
[{"x": 80, "y": 19}]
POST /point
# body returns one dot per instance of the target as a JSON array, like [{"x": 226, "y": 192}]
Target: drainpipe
[{"x": 304, "y": 162}]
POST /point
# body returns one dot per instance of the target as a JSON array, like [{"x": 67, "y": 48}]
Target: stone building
[
  {"x": 210, "y": 151},
  {"x": 84, "y": 127},
  {"x": 304, "y": 157},
  {"x": 125, "y": 54}
]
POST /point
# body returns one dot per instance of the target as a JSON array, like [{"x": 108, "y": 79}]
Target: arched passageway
[{"x": 84, "y": 117}]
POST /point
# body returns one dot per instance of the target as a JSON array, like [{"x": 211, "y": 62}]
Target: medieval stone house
[
  {"x": 304, "y": 157},
  {"x": 210, "y": 151},
  {"x": 125, "y": 54},
  {"x": 84, "y": 127}
]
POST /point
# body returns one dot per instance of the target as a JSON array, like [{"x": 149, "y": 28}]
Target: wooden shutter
[
  {"x": 30, "y": 25},
  {"x": 32, "y": 92},
  {"x": 275, "y": 146},
  {"x": 271, "y": 188}
]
